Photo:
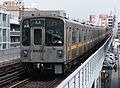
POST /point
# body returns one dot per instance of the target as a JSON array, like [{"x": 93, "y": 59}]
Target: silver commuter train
[{"x": 54, "y": 42}]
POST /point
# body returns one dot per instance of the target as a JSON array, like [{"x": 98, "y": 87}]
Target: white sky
[{"x": 76, "y": 8}]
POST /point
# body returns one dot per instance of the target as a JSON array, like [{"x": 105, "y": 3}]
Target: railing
[
  {"x": 17, "y": 33},
  {"x": 9, "y": 54},
  {"x": 85, "y": 75}
]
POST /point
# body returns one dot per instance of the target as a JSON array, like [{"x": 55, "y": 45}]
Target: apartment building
[
  {"x": 15, "y": 9},
  {"x": 4, "y": 28}
]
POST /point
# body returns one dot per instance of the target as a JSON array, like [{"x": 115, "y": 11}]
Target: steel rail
[{"x": 21, "y": 83}]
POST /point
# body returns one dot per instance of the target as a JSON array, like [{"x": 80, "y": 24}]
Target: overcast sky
[{"x": 76, "y": 8}]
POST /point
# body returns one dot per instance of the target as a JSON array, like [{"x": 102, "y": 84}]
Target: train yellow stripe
[
  {"x": 79, "y": 44},
  {"x": 73, "y": 46}
]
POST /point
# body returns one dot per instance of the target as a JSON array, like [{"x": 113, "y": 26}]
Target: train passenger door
[{"x": 38, "y": 42}]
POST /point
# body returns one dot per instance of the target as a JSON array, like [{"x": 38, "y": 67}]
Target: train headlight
[
  {"x": 60, "y": 54},
  {"x": 25, "y": 53}
]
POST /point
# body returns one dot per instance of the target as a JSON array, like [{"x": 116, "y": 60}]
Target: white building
[
  {"x": 103, "y": 20},
  {"x": 14, "y": 7},
  {"x": 110, "y": 21},
  {"x": 118, "y": 30},
  {"x": 4, "y": 28}
]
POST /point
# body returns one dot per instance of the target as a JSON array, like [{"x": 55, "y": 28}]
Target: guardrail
[
  {"x": 9, "y": 54},
  {"x": 89, "y": 71}
]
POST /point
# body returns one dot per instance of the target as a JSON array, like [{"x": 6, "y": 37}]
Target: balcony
[{"x": 14, "y": 33}]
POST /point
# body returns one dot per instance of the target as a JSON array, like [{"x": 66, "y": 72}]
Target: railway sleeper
[{"x": 10, "y": 77}]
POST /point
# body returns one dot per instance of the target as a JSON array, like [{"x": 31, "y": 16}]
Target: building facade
[
  {"x": 118, "y": 34},
  {"x": 103, "y": 20},
  {"x": 14, "y": 33},
  {"x": 92, "y": 19},
  {"x": 15, "y": 9},
  {"x": 110, "y": 21},
  {"x": 4, "y": 28},
  {"x": 118, "y": 26}
]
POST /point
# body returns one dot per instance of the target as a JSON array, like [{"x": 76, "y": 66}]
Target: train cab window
[
  {"x": 37, "y": 36},
  {"x": 25, "y": 33},
  {"x": 26, "y": 24}
]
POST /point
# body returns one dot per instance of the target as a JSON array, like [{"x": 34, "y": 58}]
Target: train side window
[
  {"x": 89, "y": 34},
  {"x": 69, "y": 36},
  {"x": 82, "y": 34},
  {"x": 93, "y": 34},
  {"x": 79, "y": 36},
  {"x": 85, "y": 34},
  {"x": 77, "y": 32},
  {"x": 73, "y": 36}
]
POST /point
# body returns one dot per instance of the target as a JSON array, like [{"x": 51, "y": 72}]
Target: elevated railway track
[
  {"x": 84, "y": 75},
  {"x": 11, "y": 72},
  {"x": 51, "y": 82}
]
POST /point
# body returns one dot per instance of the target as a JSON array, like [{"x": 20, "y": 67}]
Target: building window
[
  {"x": 4, "y": 46},
  {"x": 0, "y": 31},
  {"x": 19, "y": 2},
  {"x": 4, "y": 35},
  {"x": 4, "y": 17},
  {"x": 4, "y": 32},
  {"x": 109, "y": 19},
  {"x": 0, "y": 16}
]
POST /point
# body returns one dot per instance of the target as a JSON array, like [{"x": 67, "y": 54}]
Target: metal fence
[
  {"x": 9, "y": 54},
  {"x": 89, "y": 71}
]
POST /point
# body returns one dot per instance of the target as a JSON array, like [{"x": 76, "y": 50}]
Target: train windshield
[{"x": 54, "y": 32}]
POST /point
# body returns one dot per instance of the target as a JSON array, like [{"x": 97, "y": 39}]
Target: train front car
[{"x": 42, "y": 44}]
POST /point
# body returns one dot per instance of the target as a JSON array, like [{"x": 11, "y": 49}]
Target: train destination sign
[{"x": 37, "y": 22}]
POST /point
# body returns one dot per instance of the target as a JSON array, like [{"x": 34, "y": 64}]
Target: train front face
[{"x": 42, "y": 43}]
